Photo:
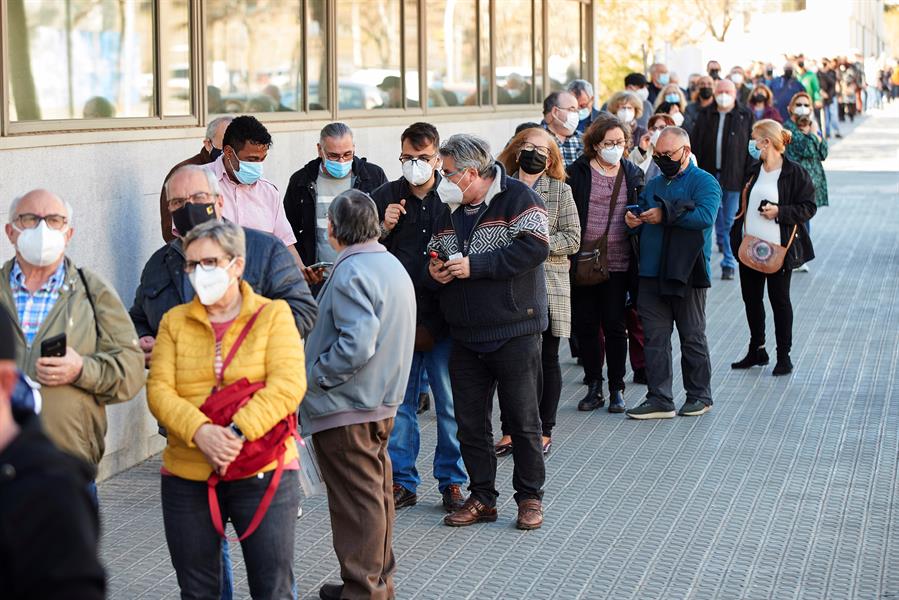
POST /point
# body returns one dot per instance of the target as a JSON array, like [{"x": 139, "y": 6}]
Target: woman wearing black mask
[
  {"x": 533, "y": 157},
  {"x": 761, "y": 104},
  {"x": 704, "y": 96}
]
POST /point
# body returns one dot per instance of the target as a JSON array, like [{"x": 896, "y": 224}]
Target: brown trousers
[{"x": 356, "y": 469}]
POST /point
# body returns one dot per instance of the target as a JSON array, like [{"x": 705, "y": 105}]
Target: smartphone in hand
[
  {"x": 54, "y": 346},
  {"x": 634, "y": 209}
]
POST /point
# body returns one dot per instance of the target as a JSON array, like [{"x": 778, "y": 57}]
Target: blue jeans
[
  {"x": 730, "y": 203},
  {"x": 405, "y": 438},
  {"x": 830, "y": 116}
]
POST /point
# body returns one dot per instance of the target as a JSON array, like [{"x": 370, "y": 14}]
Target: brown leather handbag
[
  {"x": 758, "y": 254},
  {"x": 591, "y": 265}
]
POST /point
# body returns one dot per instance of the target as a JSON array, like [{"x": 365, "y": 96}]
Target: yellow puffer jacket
[{"x": 182, "y": 376}]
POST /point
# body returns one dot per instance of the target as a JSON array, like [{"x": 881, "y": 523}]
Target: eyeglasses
[
  {"x": 207, "y": 264},
  {"x": 195, "y": 198},
  {"x": 404, "y": 158},
  {"x": 658, "y": 127},
  {"x": 348, "y": 155},
  {"x": 445, "y": 173},
  {"x": 31, "y": 220},
  {"x": 609, "y": 144},
  {"x": 541, "y": 150},
  {"x": 668, "y": 154}
]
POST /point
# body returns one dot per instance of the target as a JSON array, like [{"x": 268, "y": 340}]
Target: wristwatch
[{"x": 234, "y": 428}]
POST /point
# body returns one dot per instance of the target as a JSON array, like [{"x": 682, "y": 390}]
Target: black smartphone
[
  {"x": 762, "y": 204},
  {"x": 54, "y": 346},
  {"x": 321, "y": 265},
  {"x": 634, "y": 209}
]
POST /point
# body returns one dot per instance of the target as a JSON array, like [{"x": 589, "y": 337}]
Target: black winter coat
[
  {"x": 796, "y": 205},
  {"x": 735, "y": 160},
  {"x": 299, "y": 200}
]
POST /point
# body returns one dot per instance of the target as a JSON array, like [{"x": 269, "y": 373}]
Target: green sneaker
[
  {"x": 650, "y": 410},
  {"x": 694, "y": 408}
]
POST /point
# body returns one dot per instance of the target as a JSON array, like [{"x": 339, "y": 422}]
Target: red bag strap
[
  {"x": 240, "y": 338},
  {"x": 266, "y": 501}
]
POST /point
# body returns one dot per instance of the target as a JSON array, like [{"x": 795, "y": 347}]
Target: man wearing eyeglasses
[
  {"x": 312, "y": 189},
  {"x": 72, "y": 333},
  {"x": 408, "y": 209},
  {"x": 194, "y": 197},
  {"x": 674, "y": 221},
  {"x": 561, "y": 118}
]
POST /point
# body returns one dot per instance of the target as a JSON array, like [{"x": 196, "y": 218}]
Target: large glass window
[
  {"x": 564, "y": 43},
  {"x": 77, "y": 59},
  {"x": 514, "y": 52},
  {"x": 317, "y": 53},
  {"x": 410, "y": 47},
  {"x": 368, "y": 54},
  {"x": 452, "y": 52},
  {"x": 174, "y": 55},
  {"x": 249, "y": 68}
]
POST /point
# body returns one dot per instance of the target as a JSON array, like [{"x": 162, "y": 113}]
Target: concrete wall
[{"x": 114, "y": 189}]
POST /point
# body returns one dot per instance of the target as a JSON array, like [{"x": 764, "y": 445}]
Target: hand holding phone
[
  {"x": 634, "y": 209},
  {"x": 321, "y": 265},
  {"x": 54, "y": 346}
]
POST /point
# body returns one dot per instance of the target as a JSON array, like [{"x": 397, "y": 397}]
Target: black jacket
[
  {"x": 269, "y": 269},
  {"x": 683, "y": 261},
  {"x": 299, "y": 200},
  {"x": 796, "y": 205},
  {"x": 408, "y": 241},
  {"x": 735, "y": 160},
  {"x": 580, "y": 179},
  {"x": 48, "y": 521}
]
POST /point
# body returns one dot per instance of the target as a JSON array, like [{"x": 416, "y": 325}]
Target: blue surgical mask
[
  {"x": 249, "y": 172},
  {"x": 672, "y": 98},
  {"x": 754, "y": 150},
  {"x": 584, "y": 113},
  {"x": 338, "y": 169},
  {"x": 664, "y": 78}
]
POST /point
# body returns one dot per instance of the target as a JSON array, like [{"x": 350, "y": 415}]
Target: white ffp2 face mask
[
  {"x": 571, "y": 122},
  {"x": 41, "y": 246},
  {"x": 612, "y": 155},
  {"x": 725, "y": 100},
  {"x": 417, "y": 172},
  {"x": 210, "y": 286},
  {"x": 678, "y": 119},
  {"x": 626, "y": 114}
]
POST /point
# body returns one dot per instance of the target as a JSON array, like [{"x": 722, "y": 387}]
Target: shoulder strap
[
  {"x": 90, "y": 300},
  {"x": 240, "y": 338},
  {"x": 745, "y": 199}
]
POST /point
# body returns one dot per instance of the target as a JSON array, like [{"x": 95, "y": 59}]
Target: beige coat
[
  {"x": 74, "y": 416},
  {"x": 564, "y": 240}
]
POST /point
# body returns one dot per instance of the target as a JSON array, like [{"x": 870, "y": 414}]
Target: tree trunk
[{"x": 21, "y": 77}]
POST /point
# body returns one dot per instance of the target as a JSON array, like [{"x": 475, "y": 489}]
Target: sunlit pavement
[{"x": 785, "y": 490}]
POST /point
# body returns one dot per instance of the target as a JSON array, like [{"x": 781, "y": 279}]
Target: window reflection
[
  {"x": 174, "y": 26},
  {"x": 248, "y": 68},
  {"x": 452, "y": 52},
  {"x": 410, "y": 14},
  {"x": 514, "y": 48},
  {"x": 368, "y": 54},
  {"x": 77, "y": 59},
  {"x": 564, "y": 43},
  {"x": 317, "y": 60}
]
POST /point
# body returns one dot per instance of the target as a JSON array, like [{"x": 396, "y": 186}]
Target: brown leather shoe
[
  {"x": 471, "y": 512},
  {"x": 530, "y": 514},
  {"x": 403, "y": 497},
  {"x": 453, "y": 498}
]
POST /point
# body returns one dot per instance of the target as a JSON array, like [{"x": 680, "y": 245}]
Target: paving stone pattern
[{"x": 785, "y": 490}]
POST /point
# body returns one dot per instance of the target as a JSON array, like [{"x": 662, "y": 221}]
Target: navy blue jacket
[{"x": 270, "y": 270}]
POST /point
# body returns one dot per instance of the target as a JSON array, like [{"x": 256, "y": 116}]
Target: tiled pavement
[{"x": 785, "y": 490}]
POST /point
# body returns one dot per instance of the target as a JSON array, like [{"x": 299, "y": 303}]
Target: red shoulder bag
[{"x": 220, "y": 407}]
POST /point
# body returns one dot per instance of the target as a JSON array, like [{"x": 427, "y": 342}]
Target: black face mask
[
  {"x": 715, "y": 74},
  {"x": 757, "y": 99},
  {"x": 706, "y": 92},
  {"x": 769, "y": 72},
  {"x": 190, "y": 215},
  {"x": 788, "y": 73},
  {"x": 801, "y": 64},
  {"x": 531, "y": 162},
  {"x": 215, "y": 153},
  {"x": 668, "y": 166}
]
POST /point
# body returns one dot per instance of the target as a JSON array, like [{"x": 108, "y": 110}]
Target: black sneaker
[
  {"x": 650, "y": 410},
  {"x": 694, "y": 408},
  {"x": 403, "y": 497},
  {"x": 727, "y": 274}
]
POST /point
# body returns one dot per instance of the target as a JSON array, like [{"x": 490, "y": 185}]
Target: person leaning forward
[{"x": 46, "y": 294}]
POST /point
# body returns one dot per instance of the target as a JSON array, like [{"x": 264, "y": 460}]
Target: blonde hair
[
  {"x": 619, "y": 98},
  {"x": 774, "y": 132},
  {"x": 555, "y": 166}
]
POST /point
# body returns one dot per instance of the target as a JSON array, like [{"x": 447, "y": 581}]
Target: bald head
[
  {"x": 725, "y": 86},
  {"x": 187, "y": 182},
  {"x": 672, "y": 138},
  {"x": 35, "y": 209},
  {"x": 40, "y": 202}
]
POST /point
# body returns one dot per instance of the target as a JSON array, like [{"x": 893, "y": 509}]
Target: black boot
[
  {"x": 593, "y": 399},
  {"x": 616, "y": 402},
  {"x": 783, "y": 366},
  {"x": 756, "y": 356}
]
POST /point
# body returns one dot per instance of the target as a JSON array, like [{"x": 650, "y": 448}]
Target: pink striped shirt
[{"x": 598, "y": 215}]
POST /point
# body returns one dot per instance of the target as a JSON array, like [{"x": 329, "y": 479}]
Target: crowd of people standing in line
[{"x": 317, "y": 316}]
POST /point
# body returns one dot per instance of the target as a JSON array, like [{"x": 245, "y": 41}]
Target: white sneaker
[
  {"x": 299, "y": 512},
  {"x": 803, "y": 268}
]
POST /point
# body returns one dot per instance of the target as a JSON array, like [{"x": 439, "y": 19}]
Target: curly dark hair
[
  {"x": 245, "y": 129},
  {"x": 598, "y": 130}
]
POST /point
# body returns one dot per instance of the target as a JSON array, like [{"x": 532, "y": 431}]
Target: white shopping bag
[{"x": 310, "y": 475}]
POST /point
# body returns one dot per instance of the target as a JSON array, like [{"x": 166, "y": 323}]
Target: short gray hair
[
  {"x": 354, "y": 218},
  {"x": 335, "y": 130},
  {"x": 469, "y": 152},
  {"x": 226, "y": 234},
  {"x": 14, "y": 207},
  {"x": 210, "y": 178},
  {"x": 580, "y": 85},
  {"x": 677, "y": 132},
  {"x": 214, "y": 124}
]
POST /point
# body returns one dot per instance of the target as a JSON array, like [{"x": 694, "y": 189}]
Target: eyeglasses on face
[
  {"x": 669, "y": 154},
  {"x": 207, "y": 264},
  {"x": 404, "y": 158},
  {"x": 346, "y": 156},
  {"x": 195, "y": 198},
  {"x": 541, "y": 150},
  {"x": 31, "y": 220},
  {"x": 609, "y": 144}
]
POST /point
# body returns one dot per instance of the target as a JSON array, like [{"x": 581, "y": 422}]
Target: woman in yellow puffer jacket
[{"x": 194, "y": 339}]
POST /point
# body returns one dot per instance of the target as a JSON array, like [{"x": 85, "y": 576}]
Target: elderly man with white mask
[{"x": 72, "y": 333}]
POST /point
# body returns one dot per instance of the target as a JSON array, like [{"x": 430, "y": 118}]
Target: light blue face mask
[
  {"x": 754, "y": 151},
  {"x": 672, "y": 98},
  {"x": 338, "y": 169},
  {"x": 584, "y": 113},
  {"x": 664, "y": 78},
  {"x": 249, "y": 172}
]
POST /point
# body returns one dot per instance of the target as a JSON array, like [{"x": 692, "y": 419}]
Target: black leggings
[
  {"x": 752, "y": 284},
  {"x": 549, "y": 384}
]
